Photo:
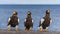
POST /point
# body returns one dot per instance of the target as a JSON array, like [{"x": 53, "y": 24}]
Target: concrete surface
[{"x": 27, "y": 32}]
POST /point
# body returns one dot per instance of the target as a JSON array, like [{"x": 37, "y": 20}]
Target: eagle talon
[
  {"x": 26, "y": 29},
  {"x": 30, "y": 29},
  {"x": 8, "y": 30},
  {"x": 41, "y": 30},
  {"x": 16, "y": 30}
]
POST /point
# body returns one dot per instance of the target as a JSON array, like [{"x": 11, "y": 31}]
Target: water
[{"x": 38, "y": 11}]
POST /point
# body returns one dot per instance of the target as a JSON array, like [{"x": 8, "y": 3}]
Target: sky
[{"x": 29, "y": 1}]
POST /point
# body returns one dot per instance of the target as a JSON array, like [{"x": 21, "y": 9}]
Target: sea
[{"x": 38, "y": 12}]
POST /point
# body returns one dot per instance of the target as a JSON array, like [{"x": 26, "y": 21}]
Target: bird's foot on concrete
[
  {"x": 30, "y": 29},
  {"x": 41, "y": 30},
  {"x": 8, "y": 30}
]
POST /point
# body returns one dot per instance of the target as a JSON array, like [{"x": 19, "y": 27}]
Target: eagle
[
  {"x": 45, "y": 21},
  {"x": 28, "y": 21},
  {"x": 13, "y": 21}
]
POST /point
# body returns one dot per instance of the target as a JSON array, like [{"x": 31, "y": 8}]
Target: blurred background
[{"x": 38, "y": 11}]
